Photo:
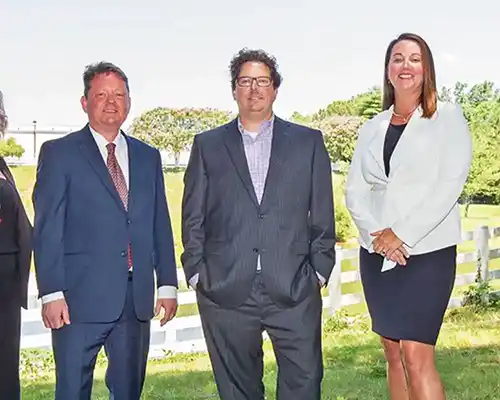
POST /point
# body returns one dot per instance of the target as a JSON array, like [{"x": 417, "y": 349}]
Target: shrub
[
  {"x": 9, "y": 148},
  {"x": 480, "y": 296},
  {"x": 344, "y": 227}
]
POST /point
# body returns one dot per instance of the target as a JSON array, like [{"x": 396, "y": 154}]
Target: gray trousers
[{"x": 234, "y": 342}]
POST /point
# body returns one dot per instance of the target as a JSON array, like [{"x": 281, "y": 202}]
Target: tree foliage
[
  {"x": 173, "y": 129},
  {"x": 340, "y": 121},
  {"x": 483, "y": 182},
  {"x": 481, "y": 106},
  {"x": 366, "y": 104},
  {"x": 301, "y": 119},
  {"x": 339, "y": 133},
  {"x": 10, "y": 148},
  {"x": 370, "y": 103}
]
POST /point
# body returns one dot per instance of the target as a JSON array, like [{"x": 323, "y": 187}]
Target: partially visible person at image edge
[{"x": 15, "y": 262}]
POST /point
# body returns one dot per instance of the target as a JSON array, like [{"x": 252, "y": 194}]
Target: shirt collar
[
  {"x": 265, "y": 126},
  {"x": 119, "y": 140}
]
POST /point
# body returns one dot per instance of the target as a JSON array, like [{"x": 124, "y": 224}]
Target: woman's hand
[
  {"x": 399, "y": 256},
  {"x": 388, "y": 245}
]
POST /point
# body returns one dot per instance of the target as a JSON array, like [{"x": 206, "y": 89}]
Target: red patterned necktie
[{"x": 119, "y": 180}]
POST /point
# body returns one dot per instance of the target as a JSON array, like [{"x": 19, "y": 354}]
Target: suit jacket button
[
  {"x": 255, "y": 250},
  {"x": 261, "y": 216},
  {"x": 123, "y": 253}
]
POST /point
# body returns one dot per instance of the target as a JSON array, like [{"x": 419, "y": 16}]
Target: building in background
[{"x": 32, "y": 137}]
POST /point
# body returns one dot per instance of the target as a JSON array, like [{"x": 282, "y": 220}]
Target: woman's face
[{"x": 405, "y": 69}]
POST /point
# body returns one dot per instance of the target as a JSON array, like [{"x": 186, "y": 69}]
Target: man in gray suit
[{"x": 258, "y": 234}]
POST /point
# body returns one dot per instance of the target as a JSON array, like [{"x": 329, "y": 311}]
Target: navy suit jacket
[{"x": 82, "y": 229}]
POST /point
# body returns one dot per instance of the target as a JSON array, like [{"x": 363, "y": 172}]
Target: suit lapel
[
  {"x": 279, "y": 150},
  {"x": 91, "y": 152},
  {"x": 376, "y": 146},
  {"x": 405, "y": 147},
  {"x": 133, "y": 171},
  {"x": 234, "y": 144}
]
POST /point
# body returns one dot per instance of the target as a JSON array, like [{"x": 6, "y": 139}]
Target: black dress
[
  {"x": 408, "y": 303},
  {"x": 15, "y": 258}
]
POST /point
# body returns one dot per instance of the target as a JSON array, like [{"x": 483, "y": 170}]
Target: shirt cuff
[
  {"x": 52, "y": 297},
  {"x": 193, "y": 282},
  {"x": 167, "y": 292},
  {"x": 321, "y": 279}
]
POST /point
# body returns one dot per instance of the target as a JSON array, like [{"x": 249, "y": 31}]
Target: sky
[{"x": 176, "y": 53}]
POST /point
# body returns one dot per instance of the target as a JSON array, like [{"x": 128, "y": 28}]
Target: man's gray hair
[{"x": 102, "y": 67}]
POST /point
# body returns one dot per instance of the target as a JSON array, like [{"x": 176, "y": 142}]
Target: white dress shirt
[{"x": 121, "y": 152}]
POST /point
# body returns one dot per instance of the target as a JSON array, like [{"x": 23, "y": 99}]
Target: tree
[
  {"x": 337, "y": 107},
  {"x": 370, "y": 104},
  {"x": 340, "y": 134},
  {"x": 481, "y": 107},
  {"x": 300, "y": 119},
  {"x": 366, "y": 104},
  {"x": 483, "y": 180},
  {"x": 9, "y": 148},
  {"x": 470, "y": 98},
  {"x": 445, "y": 94},
  {"x": 173, "y": 129},
  {"x": 482, "y": 93},
  {"x": 460, "y": 93}
]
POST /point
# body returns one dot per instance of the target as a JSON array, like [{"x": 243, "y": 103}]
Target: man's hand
[
  {"x": 55, "y": 314},
  {"x": 387, "y": 244},
  {"x": 169, "y": 308}
]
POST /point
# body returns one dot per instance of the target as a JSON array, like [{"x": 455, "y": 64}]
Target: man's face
[
  {"x": 108, "y": 102},
  {"x": 254, "y": 91}
]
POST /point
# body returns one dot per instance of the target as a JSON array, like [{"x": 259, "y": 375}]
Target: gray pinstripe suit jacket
[{"x": 224, "y": 228}]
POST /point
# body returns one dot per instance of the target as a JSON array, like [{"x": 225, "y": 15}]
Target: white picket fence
[{"x": 184, "y": 334}]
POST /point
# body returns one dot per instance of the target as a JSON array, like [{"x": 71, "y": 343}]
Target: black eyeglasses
[{"x": 247, "y": 81}]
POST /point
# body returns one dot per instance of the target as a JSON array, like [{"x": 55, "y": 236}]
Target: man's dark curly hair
[{"x": 248, "y": 55}]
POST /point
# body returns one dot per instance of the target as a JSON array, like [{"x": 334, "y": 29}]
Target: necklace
[{"x": 404, "y": 118}]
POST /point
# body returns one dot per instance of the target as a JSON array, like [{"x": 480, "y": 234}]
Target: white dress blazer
[{"x": 428, "y": 170}]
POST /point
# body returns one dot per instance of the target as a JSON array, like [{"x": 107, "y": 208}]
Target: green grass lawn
[{"x": 468, "y": 355}]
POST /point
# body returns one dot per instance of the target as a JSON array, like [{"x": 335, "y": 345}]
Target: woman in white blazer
[{"x": 408, "y": 170}]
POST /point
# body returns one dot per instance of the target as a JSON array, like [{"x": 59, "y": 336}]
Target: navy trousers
[{"x": 126, "y": 343}]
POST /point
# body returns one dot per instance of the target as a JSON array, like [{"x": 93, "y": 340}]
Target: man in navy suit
[{"x": 102, "y": 229}]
